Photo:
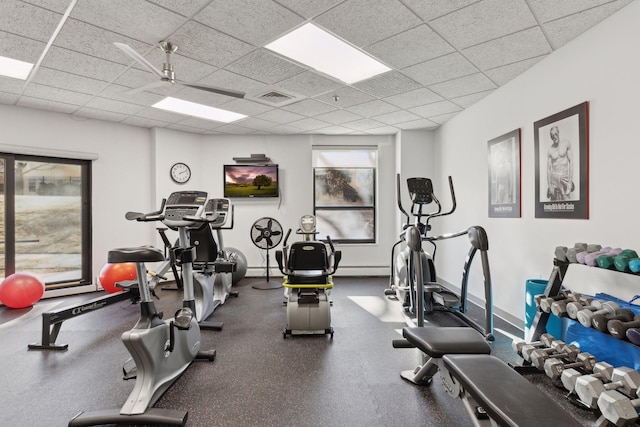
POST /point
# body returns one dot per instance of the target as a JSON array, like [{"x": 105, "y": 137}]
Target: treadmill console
[
  {"x": 218, "y": 209},
  {"x": 181, "y": 204}
]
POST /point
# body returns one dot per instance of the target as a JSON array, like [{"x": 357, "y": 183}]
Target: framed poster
[
  {"x": 562, "y": 164},
  {"x": 504, "y": 176}
]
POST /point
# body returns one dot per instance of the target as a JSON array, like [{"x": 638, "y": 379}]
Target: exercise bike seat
[
  {"x": 308, "y": 263},
  {"x": 135, "y": 254}
]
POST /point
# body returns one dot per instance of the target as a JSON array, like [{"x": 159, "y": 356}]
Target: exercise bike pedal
[
  {"x": 389, "y": 292},
  {"x": 209, "y": 355}
]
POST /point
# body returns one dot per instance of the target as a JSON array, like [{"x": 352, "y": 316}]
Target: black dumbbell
[
  {"x": 625, "y": 379},
  {"x": 574, "y": 307},
  {"x": 585, "y": 316},
  {"x": 562, "y": 351},
  {"x": 554, "y": 367},
  {"x": 600, "y": 320},
  {"x": 618, "y": 328},
  {"x": 545, "y": 340},
  {"x": 618, "y": 408},
  {"x": 601, "y": 370}
]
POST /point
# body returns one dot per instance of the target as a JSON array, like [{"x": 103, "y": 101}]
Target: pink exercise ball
[{"x": 20, "y": 290}]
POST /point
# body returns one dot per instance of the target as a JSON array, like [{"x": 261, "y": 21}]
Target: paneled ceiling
[{"x": 445, "y": 55}]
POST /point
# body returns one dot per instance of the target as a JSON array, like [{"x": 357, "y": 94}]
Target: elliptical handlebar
[
  {"x": 284, "y": 243},
  {"x": 399, "y": 198}
]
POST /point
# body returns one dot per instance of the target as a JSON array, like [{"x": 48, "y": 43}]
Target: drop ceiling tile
[
  {"x": 265, "y": 67},
  {"x": 58, "y": 6},
  {"x": 228, "y": 80},
  {"x": 484, "y": 21},
  {"x": 199, "y": 123},
  {"x": 563, "y": 30},
  {"x": 548, "y": 10},
  {"x": 338, "y": 116},
  {"x": 463, "y": 86},
  {"x": 138, "y": 20},
  {"x": 347, "y": 97},
  {"x": 441, "y": 69},
  {"x": 411, "y": 47},
  {"x": 29, "y": 21},
  {"x": 43, "y": 104},
  {"x": 387, "y": 84},
  {"x": 310, "y": 124},
  {"x": 54, "y": 94},
  {"x": 309, "y": 107},
  {"x": 363, "y": 124},
  {"x": 10, "y": 85},
  {"x": 435, "y": 109},
  {"x": 8, "y": 98},
  {"x": 417, "y": 124},
  {"x": 443, "y": 118},
  {"x": 468, "y": 100},
  {"x": 309, "y": 8},
  {"x": 234, "y": 129},
  {"x": 20, "y": 48},
  {"x": 93, "y": 113},
  {"x": 118, "y": 93},
  {"x": 78, "y": 63},
  {"x": 112, "y": 105},
  {"x": 184, "y": 8},
  {"x": 384, "y": 130},
  {"x": 372, "y": 108},
  {"x": 365, "y": 22},
  {"x": 160, "y": 115},
  {"x": 396, "y": 117},
  {"x": 309, "y": 84},
  {"x": 334, "y": 130},
  {"x": 509, "y": 49},
  {"x": 505, "y": 73},
  {"x": 244, "y": 106},
  {"x": 413, "y": 98},
  {"x": 144, "y": 122},
  {"x": 62, "y": 80},
  {"x": 196, "y": 41},
  {"x": 280, "y": 116},
  {"x": 91, "y": 40},
  {"x": 184, "y": 128},
  {"x": 256, "y": 124},
  {"x": 253, "y": 21},
  {"x": 286, "y": 129},
  {"x": 432, "y": 9}
]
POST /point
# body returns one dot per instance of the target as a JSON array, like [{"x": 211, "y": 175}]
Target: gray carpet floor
[{"x": 258, "y": 378}]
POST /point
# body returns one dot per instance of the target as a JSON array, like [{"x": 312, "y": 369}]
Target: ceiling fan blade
[
  {"x": 227, "y": 92},
  {"x": 139, "y": 58},
  {"x": 149, "y": 86}
]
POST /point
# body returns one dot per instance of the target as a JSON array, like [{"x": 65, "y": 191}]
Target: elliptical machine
[
  {"x": 161, "y": 350},
  {"x": 212, "y": 267},
  {"x": 404, "y": 266},
  {"x": 307, "y": 267}
]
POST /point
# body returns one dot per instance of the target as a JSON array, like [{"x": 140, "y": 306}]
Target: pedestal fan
[{"x": 266, "y": 233}]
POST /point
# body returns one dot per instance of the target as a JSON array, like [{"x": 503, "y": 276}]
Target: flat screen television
[{"x": 250, "y": 180}]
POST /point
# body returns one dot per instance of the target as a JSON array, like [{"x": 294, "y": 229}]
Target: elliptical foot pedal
[
  {"x": 209, "y": 355},
  {"x": 446, "y": 299}
]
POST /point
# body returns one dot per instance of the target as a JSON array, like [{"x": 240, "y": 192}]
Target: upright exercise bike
[
  {"x": 404, "y": 278},
  {"x": 307, "y": 267},
  {"x": 162, "y": 350}
]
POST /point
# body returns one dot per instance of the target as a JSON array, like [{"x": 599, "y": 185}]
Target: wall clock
[{"x": 180, "y": 173}]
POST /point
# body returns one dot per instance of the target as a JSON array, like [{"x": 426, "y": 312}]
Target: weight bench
[{"x": 493, "y": 393}]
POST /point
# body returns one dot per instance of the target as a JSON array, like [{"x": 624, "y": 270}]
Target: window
[
  {"x": 45, "y": 205},
  {"x": 345, "y": 193}
]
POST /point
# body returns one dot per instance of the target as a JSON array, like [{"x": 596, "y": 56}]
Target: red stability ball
[
  {"x": 110, "y": 274},
  {"x": 20, "y": 290}
]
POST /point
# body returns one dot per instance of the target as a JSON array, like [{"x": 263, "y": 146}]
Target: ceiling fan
[{"x": 167, "y": 75}]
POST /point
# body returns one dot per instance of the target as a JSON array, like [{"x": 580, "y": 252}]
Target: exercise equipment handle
[
  {"x": 151, "y": 216},
  {"x": 399, "y": 198},
  {"x": 284, "y": 244}
]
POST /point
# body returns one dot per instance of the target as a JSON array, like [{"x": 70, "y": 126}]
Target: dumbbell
[
  {"x": 625, "y": 379},
  {"x": 590, "y": 249},
  {"x": 572, "y": 253},
  {"x": 561, "y": 295},
  {"x": 545, "y": 339},
  {"x": 634, "y": 265},
  {"x": 633, "y": 335},
  {"x": 575, "y": 306},
  {"x": 527, "y": 349},
  {"x": 554, "y": 367},
  {"x": 618, "y": 328},
  {"x": 559, "y": 308},
  {"x": 585, "y": 316},
  {"x": 618, "y": 408},
  {"x": 601, "y": 370},
  {"x": 592, "y": 259},
  {"x": 600, "y": 320},
  {"x": 563, "y": 351}
]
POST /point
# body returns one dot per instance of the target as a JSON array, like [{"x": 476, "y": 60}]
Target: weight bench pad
[
  {"x": 506, "y": 396},
  {"x": 438, "y": 341}
]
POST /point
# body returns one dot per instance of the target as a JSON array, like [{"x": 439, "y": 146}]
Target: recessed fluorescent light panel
[
  {"x": 14, "y": 68},
  {"x": 197, "y": 110},
  {"x": 328, "y": 54}
]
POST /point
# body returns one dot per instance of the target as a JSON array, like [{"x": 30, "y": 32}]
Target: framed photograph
[
  {"x": 562, "y": 164},
  {"x": 504, "y": 176}
]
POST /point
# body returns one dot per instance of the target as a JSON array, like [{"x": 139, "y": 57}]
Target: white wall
[{"x": 600, "y": 67}]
